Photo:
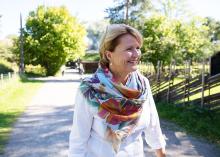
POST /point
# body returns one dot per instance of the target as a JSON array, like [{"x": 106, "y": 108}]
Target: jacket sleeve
[
  {"x": 82, "y": 123},
  {"x": 153, "y": 133}
]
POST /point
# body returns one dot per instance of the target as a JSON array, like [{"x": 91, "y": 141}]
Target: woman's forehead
[{"x": 128, "y": 39}]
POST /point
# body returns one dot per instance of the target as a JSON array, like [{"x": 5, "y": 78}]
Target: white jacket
[{"x": 88, "y": 129}]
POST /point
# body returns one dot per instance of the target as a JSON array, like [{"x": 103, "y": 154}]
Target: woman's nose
[{"x": 136, "y": 53}]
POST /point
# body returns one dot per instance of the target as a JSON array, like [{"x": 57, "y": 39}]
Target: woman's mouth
[{"x": 133, "y": 61}]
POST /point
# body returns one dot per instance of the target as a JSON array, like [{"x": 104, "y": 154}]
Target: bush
[
  {"x": 38, "y": 70},
  {"x": 91, "y": 57},
  {"x": 5, "y": 66}
]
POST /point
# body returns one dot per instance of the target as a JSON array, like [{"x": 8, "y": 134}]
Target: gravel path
[{"x": 43, "y": 130}]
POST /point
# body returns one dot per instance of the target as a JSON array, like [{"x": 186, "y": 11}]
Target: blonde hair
[{"x": 110, "y": 40}]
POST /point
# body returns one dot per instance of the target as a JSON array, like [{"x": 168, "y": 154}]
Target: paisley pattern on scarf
[{"x": 120, "y": 105}]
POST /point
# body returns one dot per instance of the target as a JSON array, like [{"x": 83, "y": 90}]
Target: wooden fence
[
  {"x": 6, "y": 77},
  {"x": 190, "y": 91}
]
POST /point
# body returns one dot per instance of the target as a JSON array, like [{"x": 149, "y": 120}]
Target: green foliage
[
  {"x": 52, "y": 36},
  {"x": 15, "y": 95},
  {"x": 34, "y": 71},
  {"x": 214, "y": 32},
  {"x": 91, "y": 57},
  {"x": 214, "y": 28},
  {"x": 194, "y": 42},
  {"x": 136, "y": 11},
  {"x": 6, "y": 49},
  {"x": 200, "y": 122},
  {"x": 172, "y": 8},
  {"x": 167, "y": 39},
  {"x": 5, "y": 66},
  {"x": 159, "y": 40},
  {"x": 94, "y": 33}
]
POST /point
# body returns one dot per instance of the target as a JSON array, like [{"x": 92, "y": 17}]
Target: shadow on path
[{"x": 42, "y": 134}]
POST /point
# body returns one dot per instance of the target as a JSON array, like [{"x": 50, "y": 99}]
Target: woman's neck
[{"x": 120, "y": 77}]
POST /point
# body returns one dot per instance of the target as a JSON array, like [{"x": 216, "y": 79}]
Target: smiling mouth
[{"x": 133, "y": 62}]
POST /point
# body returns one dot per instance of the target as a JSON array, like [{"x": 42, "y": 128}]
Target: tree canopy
[
  {"x": 51, "y": 36},
  {"x": 136, "y": 11},
  {"x": 171, "y": 8},
  {"x": 5, "y": 48},
  {"x": 214, "y": 32},
  {"x": 94, "y": 32},
  {"x": 167, "y": 39}
]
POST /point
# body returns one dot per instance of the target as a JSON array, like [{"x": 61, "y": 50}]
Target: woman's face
[{"x": 124, "y": 59}]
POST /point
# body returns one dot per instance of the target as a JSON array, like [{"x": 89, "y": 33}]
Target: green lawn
[
  {"x": 214, "y": 90},
  {"x": 14, "y": 97}
]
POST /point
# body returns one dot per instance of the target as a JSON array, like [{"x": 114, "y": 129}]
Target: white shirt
[{"x": 87, "y": 134}]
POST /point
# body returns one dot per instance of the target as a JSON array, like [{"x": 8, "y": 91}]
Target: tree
[
  {"x": 136, "y": 11},
  {"x": 214, "y": 32},
  {"x": 166, "y": 39},
  {"x": 51, "y": 36},
  {"x": 159, "y": 40},
  {"x": 172, "y": 8},
  {"x": 6, "y": 46},
  {"x": 194, "y": 41},
  {"x": 94, "y": 32}
]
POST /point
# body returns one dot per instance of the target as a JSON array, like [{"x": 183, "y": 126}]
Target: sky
[{"x": 84, "y": 10}]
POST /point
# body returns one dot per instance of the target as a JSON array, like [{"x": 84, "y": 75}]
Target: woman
[{"x": 115, "y": 105}]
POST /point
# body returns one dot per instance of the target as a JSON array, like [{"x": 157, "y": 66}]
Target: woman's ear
[{"x": 108, "y": 55}]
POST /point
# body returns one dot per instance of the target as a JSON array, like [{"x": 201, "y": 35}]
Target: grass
[
  {"x": 15, "y": 95},
  {"x": 197, "y": 121},
  {"x": 214, "y": 90}
]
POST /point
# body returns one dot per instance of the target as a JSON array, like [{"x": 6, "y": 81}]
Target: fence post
[
  {"x": 188, "y": 79},
  {"x": 158, "y": 77},
  {"x": 185, "y": 71},
  {"x": 203, "y": 82},
  {"x": 2, "y": 78},
  {"x": 9, "y": 75},
  {"x": 209, "y": 74},
  {"x": 208, "y": 82},
  {"x": 168, "y": 90}
]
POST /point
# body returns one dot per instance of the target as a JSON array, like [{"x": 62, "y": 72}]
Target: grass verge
[
  {"x": 196, "y": 121},
  {"x": 14, "y": 97}
]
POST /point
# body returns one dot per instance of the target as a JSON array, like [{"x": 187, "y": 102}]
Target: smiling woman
[{"x": 115, "y": 105}]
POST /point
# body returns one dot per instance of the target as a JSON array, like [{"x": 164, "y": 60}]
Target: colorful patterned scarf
[{"x": 119, "y": 105}]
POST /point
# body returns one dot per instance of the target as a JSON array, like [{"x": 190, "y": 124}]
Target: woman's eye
[
  {"x": 129, "y": 49},
  {"x": 133, "y": 48}
]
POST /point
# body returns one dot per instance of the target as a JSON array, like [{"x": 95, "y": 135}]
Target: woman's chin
[{"x": 132, "y": 68}]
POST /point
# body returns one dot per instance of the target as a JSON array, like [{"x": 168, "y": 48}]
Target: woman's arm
[
  {"x": 80, "y": 132},
  {"x": 153, "y": 133}
]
